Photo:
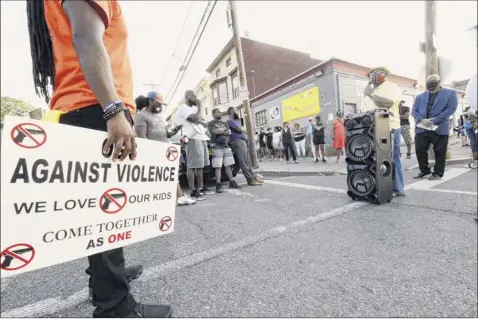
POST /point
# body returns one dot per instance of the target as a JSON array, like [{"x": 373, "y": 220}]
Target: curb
[
  {"x": 287, "y": 173},
  {"x": 453, "y": 161}
]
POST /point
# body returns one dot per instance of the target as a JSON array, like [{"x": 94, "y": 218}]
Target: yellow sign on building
[{"x": 305, "y": 103}]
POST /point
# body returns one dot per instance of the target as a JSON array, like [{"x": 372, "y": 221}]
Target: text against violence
[{"x": 41, "y": 171}]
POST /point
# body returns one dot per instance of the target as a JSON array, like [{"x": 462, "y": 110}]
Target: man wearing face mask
[
  {"x": 433, "y": 108},
  {"x": 238, "y": 145},
  {"x": 150, "y": 124},
  {"x": 383, "y": 94}
]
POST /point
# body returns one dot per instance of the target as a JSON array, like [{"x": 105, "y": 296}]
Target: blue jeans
[
  {"x": 397, "y": 176},
  {"x": 473, "y": 139}
]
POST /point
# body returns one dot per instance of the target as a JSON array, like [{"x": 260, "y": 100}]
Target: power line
[
  {"x": 183, "y": 65},
  {"x": 192, "y": 47},
  {"x": 177, "y": 43}
]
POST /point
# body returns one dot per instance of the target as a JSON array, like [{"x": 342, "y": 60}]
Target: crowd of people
[{"x": 286, "y": 142}]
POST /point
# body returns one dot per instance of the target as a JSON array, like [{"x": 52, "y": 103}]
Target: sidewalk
[{"x": 308, "y": 167}]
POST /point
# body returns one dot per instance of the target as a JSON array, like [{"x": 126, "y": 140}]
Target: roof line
[{"x": 220, "y": 56}]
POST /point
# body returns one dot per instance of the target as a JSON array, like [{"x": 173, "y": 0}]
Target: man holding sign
[{"x": 80, "y": 47}]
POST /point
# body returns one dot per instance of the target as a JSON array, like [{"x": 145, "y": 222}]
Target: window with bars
[
  {"x": 261, "y": 118},
  {"x": 219, "y": 93}
]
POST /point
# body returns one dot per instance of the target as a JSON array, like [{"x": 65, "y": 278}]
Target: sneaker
[
  {"x": 324, "y": 161},
  {"x": 233, "y": 184},
  {"x": 254, "y": 183},
  {"x": 150, "y": 311},
  {"x": 287, "y": 162},
  {"x": 131, "y": 273},
  {"x": 185, "y": 200},
  {"x": 397, "y": 194},
  {"x": 197, "y": 196},
  {"x": 260, "y": 181},
  {"x": 206, "y": 191},
  {"x": 219, "y": 188},
  {"x": 296, "y": 162}
]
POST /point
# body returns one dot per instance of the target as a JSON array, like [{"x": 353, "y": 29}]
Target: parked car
[{"x": 208, "y": 172}]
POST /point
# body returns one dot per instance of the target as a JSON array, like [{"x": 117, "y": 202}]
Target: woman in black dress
[{"x": 318, "y": 132}]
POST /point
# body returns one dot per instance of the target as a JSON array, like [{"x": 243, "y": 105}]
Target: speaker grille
[
  {"x": 359, "y": 147},
  {"x": 361, "y": 182}
]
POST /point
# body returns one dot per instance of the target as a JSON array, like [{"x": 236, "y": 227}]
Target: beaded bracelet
[{"x": 113, "y": 111}]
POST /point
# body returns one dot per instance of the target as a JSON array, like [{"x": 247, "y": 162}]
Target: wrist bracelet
[
  {"x": 114, "y": 110},
  {"x": 109, "y": 106}
]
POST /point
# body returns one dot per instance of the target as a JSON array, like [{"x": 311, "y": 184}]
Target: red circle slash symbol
[
  {"x": 28, "y": 135},
  {"x": 172, "y": 153},
  {"x": 17, "y": 256},
  {"x": 113, "y": 200},
  {"x": 165, "y": 223}
]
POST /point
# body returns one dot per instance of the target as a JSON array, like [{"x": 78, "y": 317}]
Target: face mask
[
  {"x": 431, "y": 86},
  {"x": 156, "y": 109}
]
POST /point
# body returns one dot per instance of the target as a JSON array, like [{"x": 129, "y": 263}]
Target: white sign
[
  {"x": 274, "y": 113},
  {"x": 243, "y": 93},
  {"x": 330, "y": 116},
  {"x": 62, "y": 199}
]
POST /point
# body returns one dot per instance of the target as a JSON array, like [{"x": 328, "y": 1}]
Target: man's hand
[
  {"x": 202, "y": 122},
  {"x": 227, "y": 132},
  {"x": 427, "y": 122},
  {"x": 368, "y": 90},
  {"x": 121, "y": 135}
]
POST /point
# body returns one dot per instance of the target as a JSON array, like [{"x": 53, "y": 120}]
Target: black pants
[
  {"x": 287, "y": 147},
  {"x": 110, "y": 287},
  {"x": 440, "y": 145}
]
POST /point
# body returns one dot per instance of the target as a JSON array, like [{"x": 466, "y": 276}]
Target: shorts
[
  {"x": 197, "y": 155},
  {"x": 407, "y": 137},
  {"x": 222, "y": 155}
]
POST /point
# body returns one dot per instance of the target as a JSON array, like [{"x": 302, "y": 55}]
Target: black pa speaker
[{"x": 368, "y": 150}]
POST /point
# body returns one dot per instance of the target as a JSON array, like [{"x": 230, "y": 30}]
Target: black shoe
[
  {"x": 421, "y": 175},
  {"x": 206, "y": 191},
  {"x": 151, "y": 311},
  {"x": 434, "y": 177},
  {"x": 219, "y": 188},
  {"x": 316, "y": 160},
  {"x": 233, "y": 184},
  {"x": 324, "y": 161},
  {"x": 131, "y": 273},
  {"x": 197, "y": 196}
]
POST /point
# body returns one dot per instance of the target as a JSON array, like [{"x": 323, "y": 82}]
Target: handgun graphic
[
  {"x": 8, "y": 259},
  {"x": 107, "y": 202},
  {"x": 21, "y": 135}
]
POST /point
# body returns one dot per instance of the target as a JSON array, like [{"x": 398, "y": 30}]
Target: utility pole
[
  {"x": 431, "y": 56},
  {"x": 243, "y": 82}
]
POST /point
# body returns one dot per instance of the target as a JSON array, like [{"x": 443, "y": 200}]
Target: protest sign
[{"x": 62, "y": 199}]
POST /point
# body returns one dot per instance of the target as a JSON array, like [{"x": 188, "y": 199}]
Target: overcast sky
[{"x": 369, "y": 33}]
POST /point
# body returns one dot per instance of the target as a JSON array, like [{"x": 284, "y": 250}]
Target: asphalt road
[{"x": 294, "y": 247}]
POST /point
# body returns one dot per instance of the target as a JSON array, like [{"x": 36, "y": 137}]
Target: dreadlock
[{"x": 41, "y": 48}]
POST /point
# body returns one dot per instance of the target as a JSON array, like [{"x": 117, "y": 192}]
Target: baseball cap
[{"x": 156, "y": 96}]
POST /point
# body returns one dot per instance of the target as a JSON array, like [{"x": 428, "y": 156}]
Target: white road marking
[
  {"x": 250, "y": 196},
  {"x": 449, "y": 191},
  {"x": 310, "y": 187},
  {"x": 427, "y": 184},
  {"x": 54, "y": 305}
]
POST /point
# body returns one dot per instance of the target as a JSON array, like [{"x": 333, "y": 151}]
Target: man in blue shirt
[
  {"x": 432, "y": 110},
  {"x": 238, "y": 145}
]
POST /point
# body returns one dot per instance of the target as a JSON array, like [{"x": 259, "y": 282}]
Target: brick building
[{"x": 266, "y": 66}]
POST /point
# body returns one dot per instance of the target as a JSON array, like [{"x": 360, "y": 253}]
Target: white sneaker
[{"x": 185, "y": 200}]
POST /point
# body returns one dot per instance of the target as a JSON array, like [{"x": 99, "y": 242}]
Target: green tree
[{"x": 11, "y": 106}]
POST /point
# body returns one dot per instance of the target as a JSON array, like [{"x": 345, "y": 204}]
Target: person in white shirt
[
  {"x": 194, "y": 134},
  {"x": 381, "y": 93}
]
